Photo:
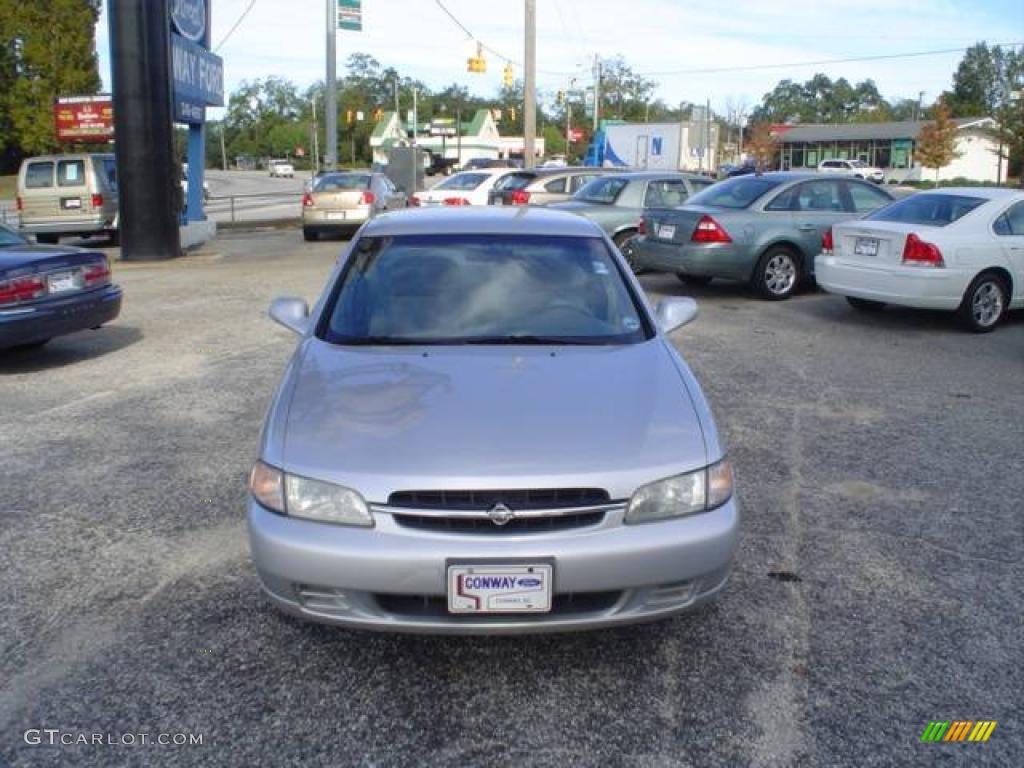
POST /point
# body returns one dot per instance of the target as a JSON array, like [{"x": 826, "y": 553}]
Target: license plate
[
  {"x": 64, "y": 281},
  {"x": 866, "y": 246},
  {"x": 666, "y": 231},
  {"x": 499, "y": 588},
  {"x": 71, "y": 202},
  {"x": 337, "y": 215}
]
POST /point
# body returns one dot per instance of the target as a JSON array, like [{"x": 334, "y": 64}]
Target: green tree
[
  {"x": 820, "y": 100},
  {"x": 49, "y": 50},
  {"x": 936, "y": 144}
]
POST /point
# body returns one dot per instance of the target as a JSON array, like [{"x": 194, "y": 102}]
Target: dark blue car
[{"x": 48, "y": 291}]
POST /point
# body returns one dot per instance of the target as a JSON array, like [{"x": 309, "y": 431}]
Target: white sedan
[
  {"x": 958, "y": 249},
  {"x": 463, "y": 188}
]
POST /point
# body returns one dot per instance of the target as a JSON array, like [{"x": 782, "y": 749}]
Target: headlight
[
  {"x": 681, "y": 495},
  {"x": 307, "y": 498}
]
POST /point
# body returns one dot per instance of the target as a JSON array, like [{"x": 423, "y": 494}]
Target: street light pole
[
  {"x": 331, "y": 95},
  {"x": 530, "y": 85}
]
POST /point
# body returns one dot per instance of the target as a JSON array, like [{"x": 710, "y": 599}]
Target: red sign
[
  {"x": 575, "y": 134},
  {"x": 84, "y": 118}
]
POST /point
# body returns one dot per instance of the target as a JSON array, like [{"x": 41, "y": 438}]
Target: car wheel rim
[
  {"x": 987, "y": 305},
  {"x": 780, "y": 274}
]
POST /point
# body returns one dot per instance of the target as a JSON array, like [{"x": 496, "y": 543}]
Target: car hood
[{"x": 477, "y": 418}]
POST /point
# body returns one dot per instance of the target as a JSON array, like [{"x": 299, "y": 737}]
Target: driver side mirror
[
  {"x": 292, "y": 313},
  {"x": 673, "y": 313}
]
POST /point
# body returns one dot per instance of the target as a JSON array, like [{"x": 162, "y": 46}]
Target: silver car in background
[{"x": 484, "y": 429}]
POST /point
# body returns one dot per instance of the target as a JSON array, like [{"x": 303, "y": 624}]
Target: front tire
[
  {"x": 865, "y": 305},
  {"x": 985, "y": 302},
  {"x": 777, "y": 274}
]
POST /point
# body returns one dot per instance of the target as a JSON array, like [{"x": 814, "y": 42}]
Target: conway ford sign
[
  {"x": 189, "y": 18},
  {"x": 198, "y": 80}
]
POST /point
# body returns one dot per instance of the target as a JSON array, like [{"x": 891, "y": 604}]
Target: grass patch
[{"x": 8, "y": 187}]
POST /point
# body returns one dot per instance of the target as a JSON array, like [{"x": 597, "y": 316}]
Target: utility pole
[
  {"x": 530, "y": 85},
  {"x": 597, "y": 92},
  {"x": 415, "y": 116},
  {"x": 568, "y": 128},
  {"x": 331, "y": 84},
  {"x": 223, "y": 149},
  {"x": 398, "y": 112},
  {"x": 316, "y": 139}
]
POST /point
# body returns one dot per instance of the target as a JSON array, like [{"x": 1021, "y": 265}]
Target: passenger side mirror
[
  {"x": 292, "y": 313},
  {"x": 674, "y": 313}
]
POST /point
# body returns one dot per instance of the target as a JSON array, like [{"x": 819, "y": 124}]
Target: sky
[{"x": 670, "y": 41}]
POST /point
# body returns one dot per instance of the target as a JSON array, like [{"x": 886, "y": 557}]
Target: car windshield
[
  {"x": 9, "y": 238},
  {"x": 482, "y": 289},
  {"x": 464, "y": 181},
  {"x": 739, "y": 192},
  {"x": 603, "y": 190},
  {"x": 335, "y": 183},
  {"x": 928, "y": 209}
]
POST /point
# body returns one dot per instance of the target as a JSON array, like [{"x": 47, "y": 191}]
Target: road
[{"x": 877, "y": 585}]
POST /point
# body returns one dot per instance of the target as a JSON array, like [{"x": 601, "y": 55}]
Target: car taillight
[
  {"x": 96, "y": 274},
  {"x": 826, "y": 241},
  {"x": 641, "y": 228},
  {"x": 709, "y": 231},
  {"x": 414, "y": 202},
  {"x": 368, "y": 198},
  {"x": 97, "y": 201},
  {"x": 21, "y": 289},
  {"x": 456, "y": 201},
  {"x": 520, "y": 197},
  {"x": 20, "y": 203},
  {"x": 307, "y": 200},
  {"x": 919, "y": 253}
]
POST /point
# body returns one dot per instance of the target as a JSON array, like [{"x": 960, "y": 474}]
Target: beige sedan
[{"x": 339, "y": 203}]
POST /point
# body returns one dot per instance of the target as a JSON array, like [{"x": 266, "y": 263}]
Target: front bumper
[
  {"x": 58, "y": 317},
  {"x": 919, "y": 287},
  {"x": 711, "y": 260},
  {"x": 353, "y": 576}
]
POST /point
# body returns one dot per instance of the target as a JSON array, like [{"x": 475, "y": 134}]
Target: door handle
[{"x": 807, "y": 227}]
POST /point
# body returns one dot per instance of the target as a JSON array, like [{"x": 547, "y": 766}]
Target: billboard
[{"x": 84, "y": 118}]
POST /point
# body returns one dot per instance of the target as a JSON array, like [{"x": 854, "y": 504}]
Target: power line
[
  {"x": 758, "y": 67},
  {"x": 235, "y": 25},
  {"x": 489, "y": 49}
]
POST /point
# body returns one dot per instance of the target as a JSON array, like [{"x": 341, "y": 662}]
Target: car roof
[
  {"x": 489, "y": 171},
  {"x": 504, "y": 220}
]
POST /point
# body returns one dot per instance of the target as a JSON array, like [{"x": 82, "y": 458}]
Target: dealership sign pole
[{"x": 148, "y": 184}]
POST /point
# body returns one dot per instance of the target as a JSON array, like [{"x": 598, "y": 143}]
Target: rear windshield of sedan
[
  {"x": 464, "y": 181},
  {"x": 337, "y": 183},
  {"x": 603, "y": 190},
  {"x": 482, "y": 289},
  {"x": 928, "y": 209},
  {"x": 738, "y": 192}
]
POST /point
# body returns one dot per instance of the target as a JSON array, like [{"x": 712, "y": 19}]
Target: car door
[
  {"x": 814, "y": 207},
  {"x": 1009, "y": 230}
]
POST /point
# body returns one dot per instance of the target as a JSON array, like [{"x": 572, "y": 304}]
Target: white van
[{"x": 62, "y": 195}]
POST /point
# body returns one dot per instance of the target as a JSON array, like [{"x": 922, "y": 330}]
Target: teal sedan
[
  {"x": 764, "y": 229},
  {"x": 615, "y": 202}
]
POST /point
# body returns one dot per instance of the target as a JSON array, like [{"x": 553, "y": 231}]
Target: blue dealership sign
[
  {"x": 198, "y": 79},
  {"x": 189, "y": 19}
]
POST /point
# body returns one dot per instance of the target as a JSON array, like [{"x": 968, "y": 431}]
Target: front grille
[
  {"x": 436, "y": 606},
  {"x": 455, "y": 524},
  {"x": 543, "y": 498}
]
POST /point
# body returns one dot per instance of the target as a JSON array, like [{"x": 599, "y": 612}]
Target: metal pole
[
  {"x": 148, "y": 177},
  {"x": 707, "y": 131},
  {"x": 415, "y": 117},
  {"x": 223, "y": 149},
  {"x": 568, "y": 129},
  {"x": 597, "y": 92},
  {"x": 331, "y": 84},
  {"x": 530, "y": 85},
  {"x": 316, "y": 140},
  {"x": 458, "y": 137}
]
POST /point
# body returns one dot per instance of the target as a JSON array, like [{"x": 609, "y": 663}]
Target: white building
[{"x": 891, "y": 147}]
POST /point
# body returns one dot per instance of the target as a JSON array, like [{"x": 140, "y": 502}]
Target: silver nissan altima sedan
[{"x": 484, "y": 429}]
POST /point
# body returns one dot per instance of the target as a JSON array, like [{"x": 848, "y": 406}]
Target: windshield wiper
[{"x": 526, "y": 339}]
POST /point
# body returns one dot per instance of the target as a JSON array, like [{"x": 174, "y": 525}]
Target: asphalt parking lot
[{"x": 877, "y": 587}]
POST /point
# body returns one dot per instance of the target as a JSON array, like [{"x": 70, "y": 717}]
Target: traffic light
[
  {"x": 507, "y": 76},
  {"x": 378, "y": 114},
  {"x": 477, "y": 63},
  {"x": 348, "y": 116}
]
